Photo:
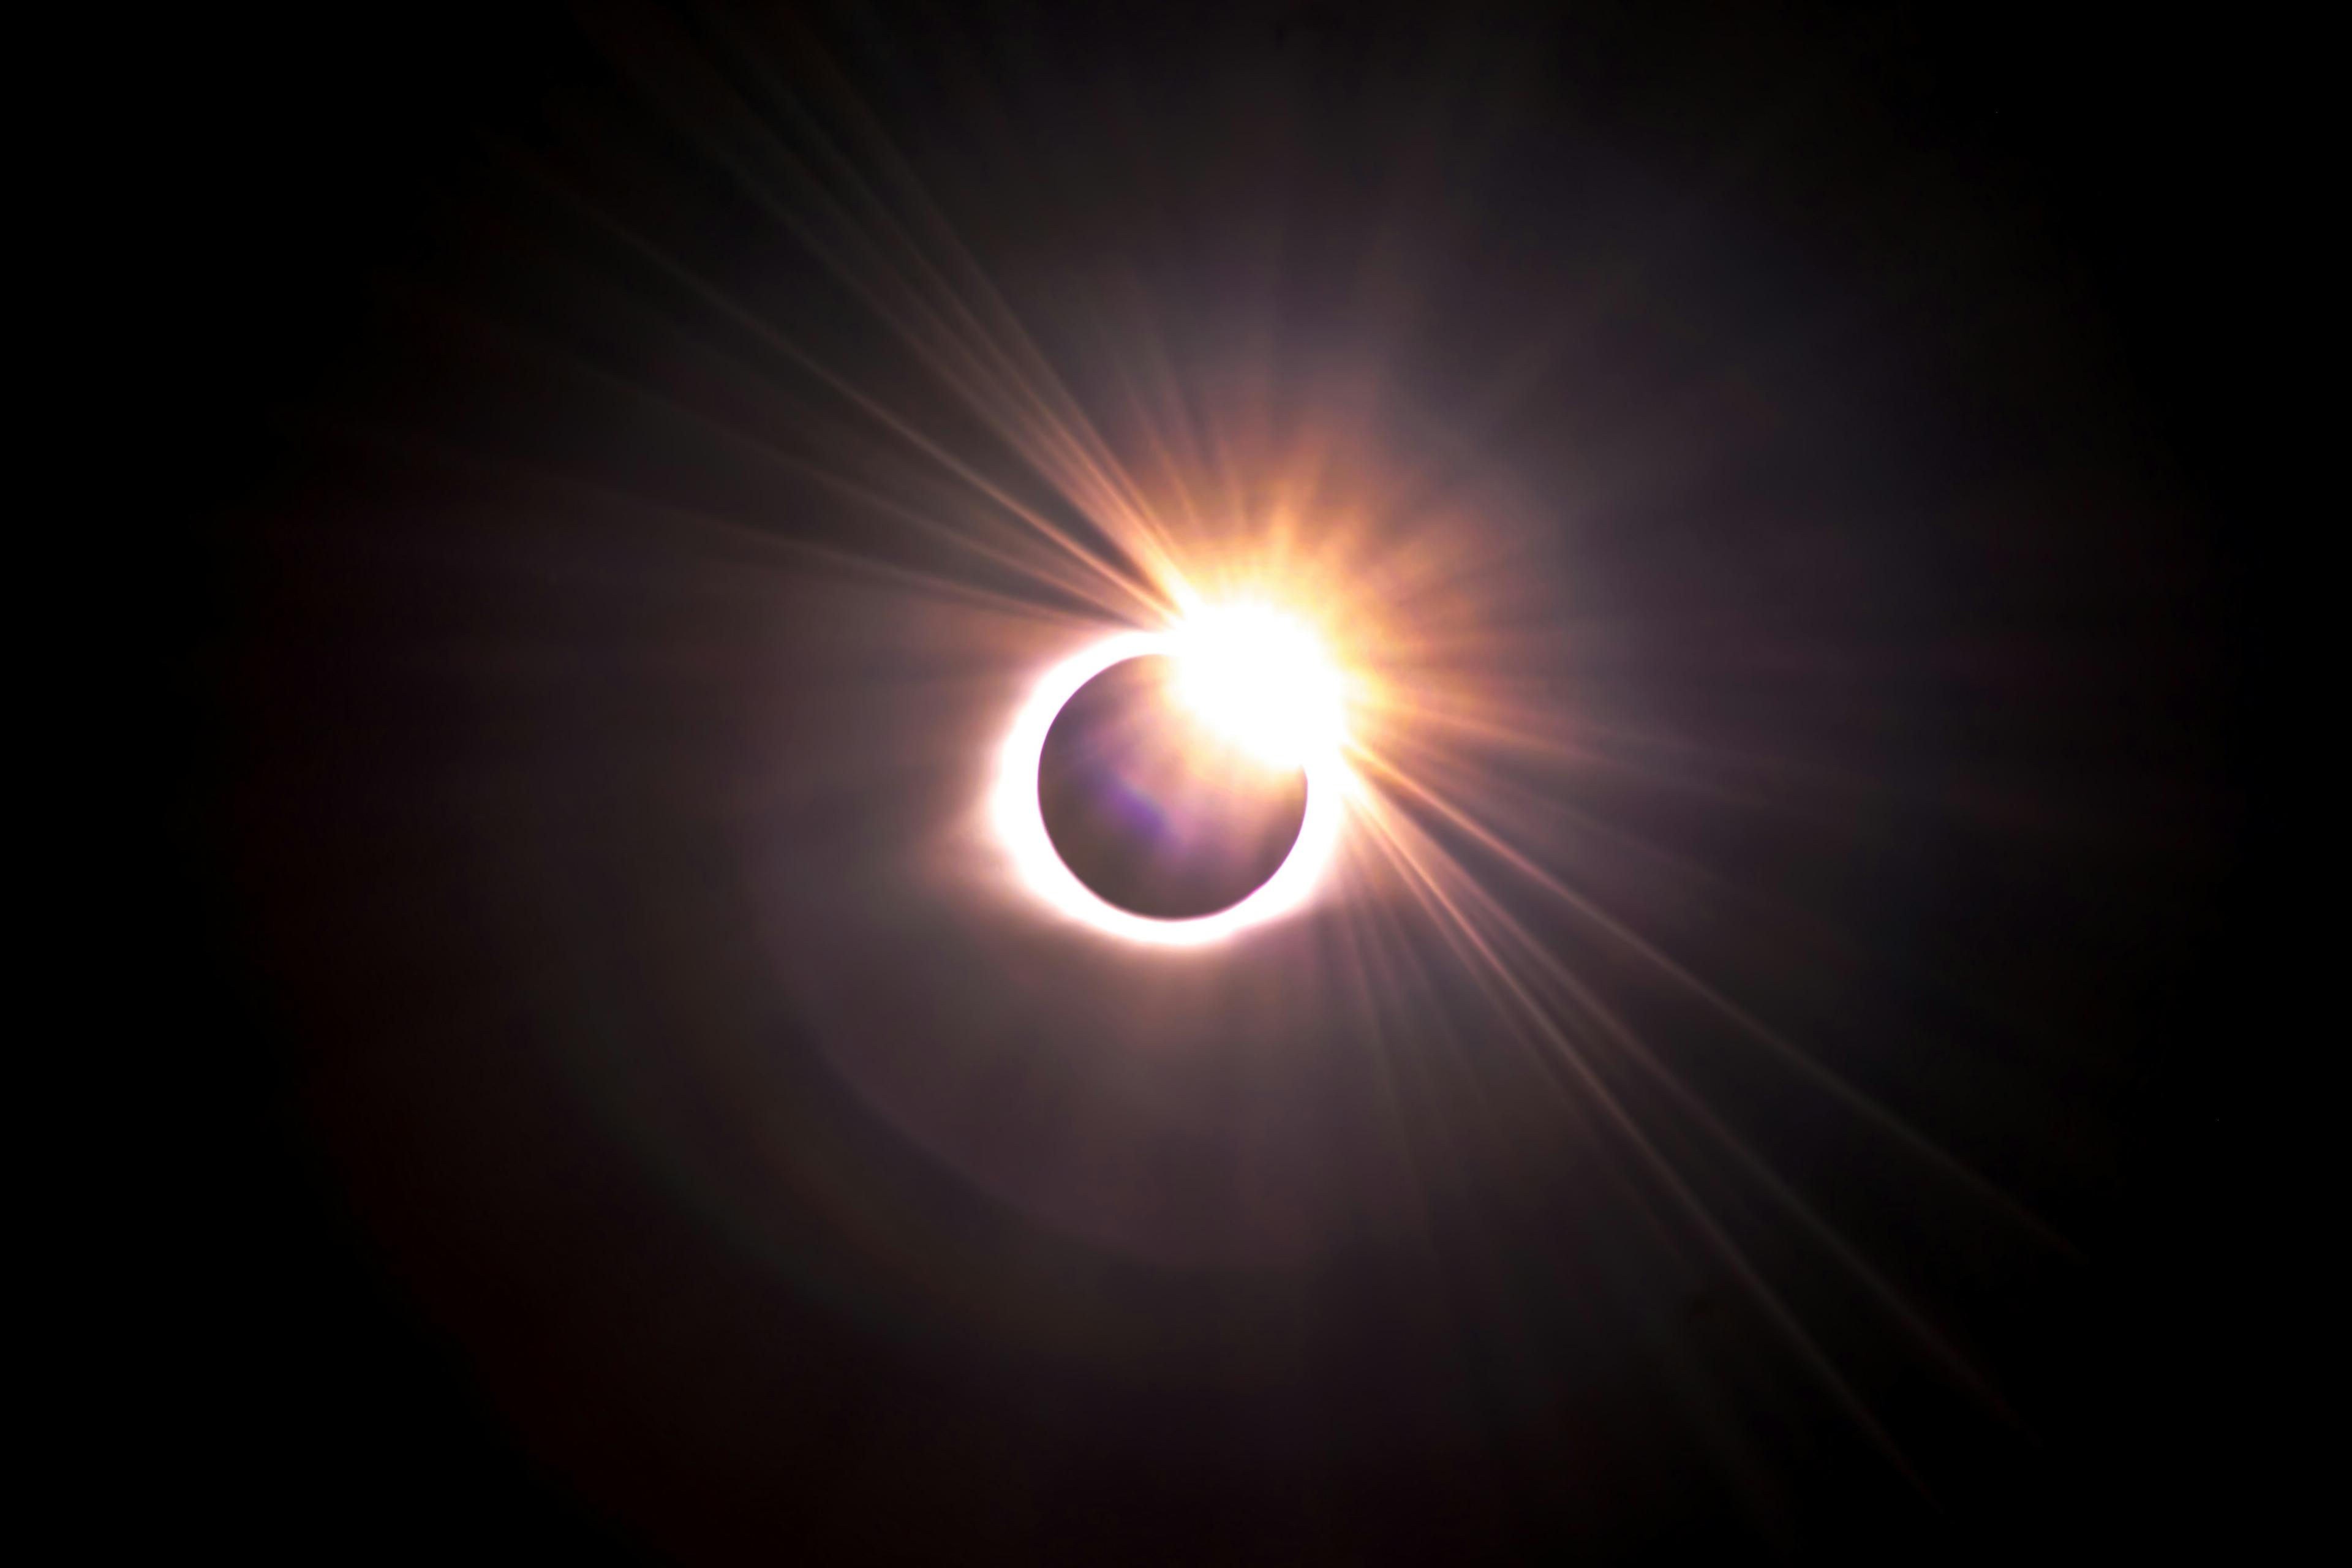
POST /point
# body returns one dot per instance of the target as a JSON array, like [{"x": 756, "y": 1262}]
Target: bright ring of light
[{"x": 1019, "y": 817}]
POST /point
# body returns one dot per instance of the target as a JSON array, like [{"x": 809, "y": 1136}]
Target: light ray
[
  {"x": 1786, "y": 1050},
  {"x": 1461, "y": 934}
]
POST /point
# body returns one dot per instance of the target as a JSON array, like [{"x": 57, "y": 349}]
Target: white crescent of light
[{"x": 1020, "y": 819}]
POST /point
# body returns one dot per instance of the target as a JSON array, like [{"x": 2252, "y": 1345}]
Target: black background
[{"x": 292, "y": 1394}]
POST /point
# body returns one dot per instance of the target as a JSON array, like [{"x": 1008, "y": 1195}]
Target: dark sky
[{"x": 1872, "y": 383}]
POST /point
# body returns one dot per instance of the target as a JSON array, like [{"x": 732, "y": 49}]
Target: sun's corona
[{"x": 1256, "y": 680}]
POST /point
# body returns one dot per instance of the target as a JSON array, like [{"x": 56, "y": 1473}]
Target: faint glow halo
[{"x": 1020, "y": 819}]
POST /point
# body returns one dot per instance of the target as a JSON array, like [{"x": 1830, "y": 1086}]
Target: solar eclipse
[{"x": 1174, "y": 788}]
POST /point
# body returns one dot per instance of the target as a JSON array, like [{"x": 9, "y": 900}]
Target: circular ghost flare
[{"x": 1173, "y": 788}]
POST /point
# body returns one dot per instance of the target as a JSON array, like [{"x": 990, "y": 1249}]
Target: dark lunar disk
[{"x": 1154, "y": 812}]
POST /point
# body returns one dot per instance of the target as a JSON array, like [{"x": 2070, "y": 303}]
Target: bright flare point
[{"x": 1262, "y": 682}]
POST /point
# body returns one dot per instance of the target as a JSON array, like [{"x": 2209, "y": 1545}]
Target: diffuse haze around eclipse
[{"x": 1254, "y": 783}]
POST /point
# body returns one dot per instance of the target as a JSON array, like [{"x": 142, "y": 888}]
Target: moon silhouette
[{"x": 1156, "y": 814}]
